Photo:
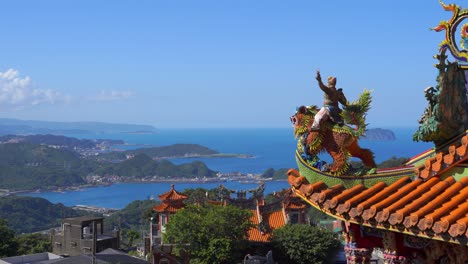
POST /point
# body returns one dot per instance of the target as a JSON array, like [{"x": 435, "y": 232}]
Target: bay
[
  {"x": 118, "y": 195},
  {"x": 270, "y": 148}
]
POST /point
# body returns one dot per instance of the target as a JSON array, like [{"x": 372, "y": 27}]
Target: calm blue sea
[
  {"x": 271, "y": 148},
  {"x": 117, "y": 196}
]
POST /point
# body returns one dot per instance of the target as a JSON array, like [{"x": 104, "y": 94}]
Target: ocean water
[
  {"x": 117, "y": 196},
  {"x": 270, "y": 148}
]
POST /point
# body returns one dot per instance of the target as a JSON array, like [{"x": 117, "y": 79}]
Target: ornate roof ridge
[
  {"x": 401, "y": 206},
  {"x": 172, "y": 194}
]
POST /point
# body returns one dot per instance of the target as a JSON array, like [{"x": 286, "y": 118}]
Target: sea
[{"x": 266, "y": 147}]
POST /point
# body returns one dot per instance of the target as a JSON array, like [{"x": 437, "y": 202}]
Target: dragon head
[{"x": 302, "y": 119}]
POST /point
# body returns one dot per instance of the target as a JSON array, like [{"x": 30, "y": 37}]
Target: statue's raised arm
[
  {"x": 320, "y": 83},
  {"x": 332, "y": 96}
]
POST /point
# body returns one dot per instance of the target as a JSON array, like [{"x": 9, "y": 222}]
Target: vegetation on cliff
[{"x": 32, "y": 214}]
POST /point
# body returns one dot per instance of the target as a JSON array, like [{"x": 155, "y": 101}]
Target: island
[{"x": 379, "y": 134}]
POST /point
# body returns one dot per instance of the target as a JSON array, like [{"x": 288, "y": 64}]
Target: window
[
  {"x": 163, "y": 219},
  {"x": 294, "y": 217}
]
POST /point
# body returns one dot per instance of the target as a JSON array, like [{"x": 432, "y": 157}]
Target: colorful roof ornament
[{"x": 460, "y": 53}]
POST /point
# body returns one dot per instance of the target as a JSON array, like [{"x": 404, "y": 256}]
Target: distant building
[{"x": 83, "y": 235}]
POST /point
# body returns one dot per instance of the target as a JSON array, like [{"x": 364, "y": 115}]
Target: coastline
[{"x": 5, "y": 192}]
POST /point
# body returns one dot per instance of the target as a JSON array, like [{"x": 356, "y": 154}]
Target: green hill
[
  {"x": 32, "y": 214},
  {"x": 136, "y": 215},
  {"x": 141, "y": 165},
  {"x": 29, "y": 166},
  {"x": 26, "y": 166},
  {"x": 171, "y": 151}
]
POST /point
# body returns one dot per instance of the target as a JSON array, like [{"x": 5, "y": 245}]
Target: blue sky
[{"x": 213, "y": 63}]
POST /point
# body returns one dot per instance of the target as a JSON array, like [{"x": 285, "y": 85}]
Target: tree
[
  {"x": 8, "y": 245},
  {"x": 305, "y": 243},
  {"x": 210, "y": 234},
  {"x": 33, "y": 243},
  {"x": 199, "y": 195},
  {"x": 315, "y": 216},
  {"x": 130, "y": 235},
  {"x": 135, "y": 215}
]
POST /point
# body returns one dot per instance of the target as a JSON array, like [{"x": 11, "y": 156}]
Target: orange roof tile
[
  {"x": 172, "y": 194},
  {"x": 431, "y": 202},
  {"x": 171, "y": 208},
  {"x": 274, "y": 220},
  {"x": 254, "y": 234}
]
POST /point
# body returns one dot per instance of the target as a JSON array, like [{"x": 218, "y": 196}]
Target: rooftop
[
  {"x": 172, "y": 195},
  {"x": 82, "y": 219},
  {"x": 430, "y": 200}
]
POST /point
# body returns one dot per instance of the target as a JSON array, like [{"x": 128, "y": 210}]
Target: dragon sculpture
[{"x": 340, "y": 141}]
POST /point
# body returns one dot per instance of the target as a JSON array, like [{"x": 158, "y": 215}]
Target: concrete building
[{"x": 83, "y": 235}]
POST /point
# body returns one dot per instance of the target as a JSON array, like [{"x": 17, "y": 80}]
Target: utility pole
[{"x": 94, "y": 241}]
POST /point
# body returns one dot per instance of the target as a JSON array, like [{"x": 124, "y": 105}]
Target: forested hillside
[
  {"x": 142, "y": 165},
  {"x": 25, "y": 166},
  {"x": 31, "y": 214},
  {"x": 30, "y": 166},
  {"x": 176, "y": 150}
]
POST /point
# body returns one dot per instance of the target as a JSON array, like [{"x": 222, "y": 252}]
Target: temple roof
[
  {"x": 430, "y": 200},
  {"x": 292, "y": 201},
  {"x": 274, "y": 220},
  {"x": 172, "y": 194},
  {"x": 268, "y": 217},
  {"x": 171, "y": 208}
]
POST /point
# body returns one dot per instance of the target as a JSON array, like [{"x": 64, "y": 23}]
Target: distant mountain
[
  {"x": 62, "y": 141},
  {"x": 26, "y": 127}
]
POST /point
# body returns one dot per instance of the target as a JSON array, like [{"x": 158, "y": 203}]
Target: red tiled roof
[
  {"x": 172, "y": 194},
  {"x": 431, "y": 202},
  {"x": 292, "y": 201},
  {"x": 171, "y": 208},
  {"x": 274, "y": 220}
]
